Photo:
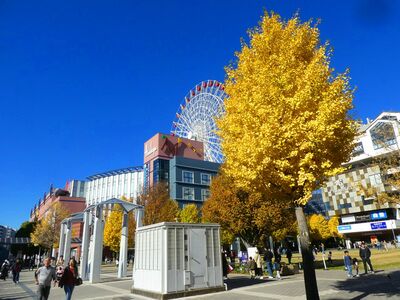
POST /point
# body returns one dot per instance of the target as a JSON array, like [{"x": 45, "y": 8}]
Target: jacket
[{"x": 365, "y": 253}]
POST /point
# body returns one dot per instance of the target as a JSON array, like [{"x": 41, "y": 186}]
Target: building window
[
  {"x": 205, "y": 179},
  {"x": 205, "y": 194},
  {"x": 188, "y": 193},
  {"x": 344, "y": 205},
  {"x": 383, "y": 135},
  {"x": 188, "y": 177},
  {"x": 375, "y": 179},
  {"x": 358, "y": 149}
]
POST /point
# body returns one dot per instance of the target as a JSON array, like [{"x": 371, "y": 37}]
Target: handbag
[{"x": 78, "y": 281}]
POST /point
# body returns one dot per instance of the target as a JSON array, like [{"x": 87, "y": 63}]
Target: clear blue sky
[{"x": 84, "y": 83}]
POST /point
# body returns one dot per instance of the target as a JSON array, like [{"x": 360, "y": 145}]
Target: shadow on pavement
[
  {"x": 239, "y": 281},
  {"x": 380, "y": 283}
]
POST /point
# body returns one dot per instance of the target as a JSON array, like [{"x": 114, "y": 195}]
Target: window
[
  {"x": 344, "y": 205},
  {"x": 383, "y": 135},
  {"x": 375, "y": 179},
  {"x": 188, "y": 177},
  {"x": 188, "y": 193},
  {"x": 205, "y": 194},
  {"x": 205, "y": 179},
  {"x": 358, "y": 149}
]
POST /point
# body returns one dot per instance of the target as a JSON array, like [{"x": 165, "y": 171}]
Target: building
[
  {"x": 72, "y": 204},
  {"x": 126, "y": 182},
  {"x": 190, "y": 179},
  {"x": 316, "y": 204},
  {"x": 180, "y": 163},
  {"x": 6, "y": 232},
  {"x": 348, "y": 195},
  {"x": 76, "y": 188}
]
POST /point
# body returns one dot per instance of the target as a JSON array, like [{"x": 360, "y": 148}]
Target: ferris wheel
[{"x": 196, "y": 117}]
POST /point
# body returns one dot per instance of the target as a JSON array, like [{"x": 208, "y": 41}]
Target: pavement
[{"x": 332, "y": 285}]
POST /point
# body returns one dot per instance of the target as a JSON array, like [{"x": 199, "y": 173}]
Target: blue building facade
[{"x": 190, "y": 180}]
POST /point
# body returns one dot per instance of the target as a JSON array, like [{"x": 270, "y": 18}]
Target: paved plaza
[{"x": 333, "y": 285}]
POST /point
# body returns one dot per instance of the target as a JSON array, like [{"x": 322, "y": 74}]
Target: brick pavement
[{"x": 332, "y": 284}]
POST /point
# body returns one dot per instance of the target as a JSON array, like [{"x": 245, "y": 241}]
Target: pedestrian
[
  {"x": 289, "y": 255},
  {"x": 5, "y": 267},
  {"x": 31, "y": 263},
  {"x": 365, "y": 255},
  {"x": 69, "y": 278},
  {"x": 348, "y": 263},
  {"x": 257, "y": 259},
  {"x": 277, "y": 264},
  {"x": 355, "y": 265},
  {"x": 330, "y": 257},
  {"x": 60, "y": 261},
  {"x": 43, "y": 277},
  {"x": 385, "y": 246},
  {"x": 16, "y": 269},
  {"x": 252, "y": 267},
  {"x": 268, "y": 256},
  {"x": 224, "y": 265}
]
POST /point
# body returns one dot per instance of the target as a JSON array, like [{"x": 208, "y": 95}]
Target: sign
[
  {"x": 378, "y": 225},
  {"x": 379, "y": 215},
  {"x": 344, "y": 227}
]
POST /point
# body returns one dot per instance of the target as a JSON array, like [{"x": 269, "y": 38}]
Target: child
[
  {"x": 348, "y": 264},
  {"x": 252, "y": 267},
  {"x": 330, "y": 257},
  {"x": 355, "y": 265}
]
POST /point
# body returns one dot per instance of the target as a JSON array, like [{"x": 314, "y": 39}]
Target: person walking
[
  {"x": 43, "y": 277},
  {"x": 365, "y": 255},
  {"x": 252, "y": 267},
  {"x": 348, "y": 264},
  {"x": 289, "y": 255},
  {"x": 355, "y": 265},
  {"x": 268, "y": 256},
  {"x": 5, "y": 267},
  {"x": 257, "y": 259},
  {"x": 68, "y": 279},
  {"x": 16, "y": 269},
  {"x": 224, "y": 265},
  {"x": 277, "y": 264}
]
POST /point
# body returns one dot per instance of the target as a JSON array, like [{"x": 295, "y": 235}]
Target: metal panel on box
[{"x": 176, "y": 259}]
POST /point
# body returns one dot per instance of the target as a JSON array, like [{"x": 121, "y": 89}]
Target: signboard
[
  {"x": 378, "y": 225},
  {"x": 344, "y": 227},
  {"x": 379, "y": 215},
  {"x": 348, "y": 219}
]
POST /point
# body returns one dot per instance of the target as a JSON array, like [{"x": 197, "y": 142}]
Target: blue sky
[{"x": 84, "y": 83}]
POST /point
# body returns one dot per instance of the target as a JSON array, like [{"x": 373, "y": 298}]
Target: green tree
[
  {"x": 287, "y": 125},
  {"x": 25, "y": 230},
  {"x": 189, "y": 214}
]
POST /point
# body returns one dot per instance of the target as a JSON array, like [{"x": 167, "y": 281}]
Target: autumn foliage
[
  {"x": 189, "y": 214},
  {"x": 287, "y": 123},
  {"x": 158, "y": 206},
  {"x": 113, "y": 228},
  {"x": 247, "y": 215},
  {"x": 47, "y": 230}
]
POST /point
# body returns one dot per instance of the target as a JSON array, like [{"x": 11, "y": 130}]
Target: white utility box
[{"x": 177, "y": 259}]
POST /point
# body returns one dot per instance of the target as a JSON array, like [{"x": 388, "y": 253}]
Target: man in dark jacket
[
  {"x": 268, "y": 256},
  {"x": 365, "y": 255}
]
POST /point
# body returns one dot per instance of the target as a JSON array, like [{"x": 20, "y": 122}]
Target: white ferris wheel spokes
[{"x": 195, "y": 118}]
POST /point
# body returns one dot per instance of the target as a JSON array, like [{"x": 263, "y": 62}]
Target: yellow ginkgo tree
[{"x": 287, "y": 124}]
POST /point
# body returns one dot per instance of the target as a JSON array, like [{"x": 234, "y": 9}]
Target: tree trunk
[{"x": 310, "y": 279}]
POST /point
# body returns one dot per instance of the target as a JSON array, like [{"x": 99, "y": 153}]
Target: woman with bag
[{"x": 70, "y": 278}]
